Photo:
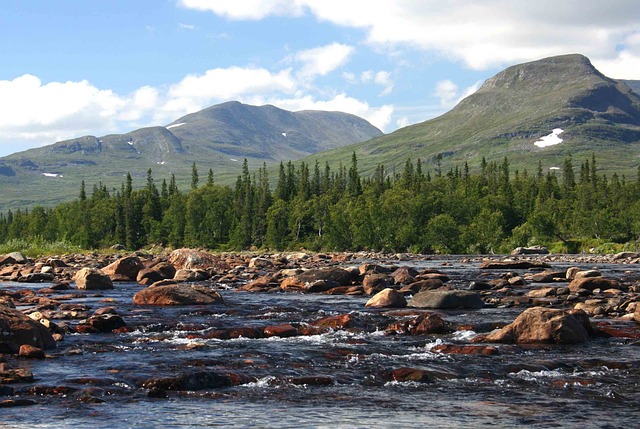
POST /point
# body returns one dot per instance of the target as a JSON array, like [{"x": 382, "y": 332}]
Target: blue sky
[{"x": 76, "y": 67}]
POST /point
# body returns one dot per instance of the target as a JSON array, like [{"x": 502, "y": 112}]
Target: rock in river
[
  {"x": 17, "y": 329},
  {"x": 544, "y": 325},
  {"x": 92, "y": 279},
  {"x": 178, "y": 294},
  {"x": 446, "y": 299}
]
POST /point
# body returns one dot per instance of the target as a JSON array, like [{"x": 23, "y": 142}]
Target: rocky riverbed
[{"x": 191, "y": 338}]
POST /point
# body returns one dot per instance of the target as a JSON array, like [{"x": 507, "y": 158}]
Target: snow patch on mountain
[{"x": 551, "y": 139}]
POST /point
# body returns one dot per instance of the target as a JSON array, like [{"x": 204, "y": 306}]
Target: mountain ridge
[
  {"x": 513, "y": 110},
  {"x": 217, "y": 137}
]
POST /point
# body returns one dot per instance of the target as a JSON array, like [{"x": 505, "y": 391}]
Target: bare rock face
[
  {"x": 387, "y": 298},
  {"x": 544, "y": 325},
  {"x": 17, "y": 329},
  {"x": 177, "y": 295},
  {"x": 92, "y": 279},
  {"x": 124, "y": 269}
]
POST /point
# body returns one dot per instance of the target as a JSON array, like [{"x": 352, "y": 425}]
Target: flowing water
[{"x": 334, "y": 379}]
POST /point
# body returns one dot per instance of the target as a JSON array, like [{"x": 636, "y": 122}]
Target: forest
[{"x": 318, "y": 207}]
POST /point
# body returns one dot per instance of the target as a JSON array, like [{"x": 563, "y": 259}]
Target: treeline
[{"x": 317, "y": 207}]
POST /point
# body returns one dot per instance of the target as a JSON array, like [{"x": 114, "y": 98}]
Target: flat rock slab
[
  {"x": 446, "y": 299},
  {"x": 512, "y": 265},
  {"x": 177, "y": 295}
]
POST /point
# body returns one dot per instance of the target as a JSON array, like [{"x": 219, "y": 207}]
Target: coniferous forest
[{"x": 319, "y": 207}]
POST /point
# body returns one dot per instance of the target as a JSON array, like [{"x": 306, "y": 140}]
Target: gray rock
[{"x": 447, "y": 299}]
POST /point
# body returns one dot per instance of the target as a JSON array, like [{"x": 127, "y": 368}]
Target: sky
[{"x": 71, "y": 68}]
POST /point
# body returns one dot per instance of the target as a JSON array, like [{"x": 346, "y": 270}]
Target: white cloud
[
  {"x": 402, "y": 122},
  {"x": 449, "y": 93},
  {"x": 246, "y": 9},
  {"x": 321, "y": 61},
  {"x": 189, "y": 27},
  {"x": 33, "y": 113},
  {"x": 383, "y": 78},
  {"x": 483, "y": 34}
]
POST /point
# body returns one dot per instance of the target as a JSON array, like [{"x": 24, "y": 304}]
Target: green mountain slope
[
  {"x": 513, "y": 110},
  {"x": 218, "y": 137}
]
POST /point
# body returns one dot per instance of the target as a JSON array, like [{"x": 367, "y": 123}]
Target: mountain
[
  {"x": 513, "y": 110},
  {"x": 218, "y": 137},
  {"x": 633, "y": 84}
]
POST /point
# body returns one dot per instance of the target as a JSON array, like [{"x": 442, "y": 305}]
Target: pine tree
[{"x": 194, "y": 176}]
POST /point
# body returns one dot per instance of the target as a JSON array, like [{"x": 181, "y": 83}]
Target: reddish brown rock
[
  {"x": 424, "y": 324},
  {"x": 17, "y": 329},
  {"x": 408, "y": 374},
  {"x": 31, "y": 352},
  {"x": 387, "y": 298},
  {"x": 543, "y": 325},
  {"x": 284, "y": 330},
  {"x": 92, "y": 279},
  {"x": 124, "y": 269},
  {"x": 292, "y": 284},
  {"x": 320, "y": 286},
  {"x": 342, "y": 321},
  {"x": 404, "y": 275},
  {"x": 591, "y": 283},
  {"x": 177, "y": 295},
  {"x": 160, "y": 271}
]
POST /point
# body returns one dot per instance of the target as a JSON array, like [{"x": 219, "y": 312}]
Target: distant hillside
[
  {"x": 218, "y": 137},
  {"x": 513, "y": 110},
  {"x": 633, "y": 84}
]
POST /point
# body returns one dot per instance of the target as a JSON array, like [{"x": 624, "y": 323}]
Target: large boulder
[
  {"x": 446, "y": 299},
  {"x": 544, "y": 325},
  {"x": 13, "y": 258},
  {"x": 387, "y": 298},
  {"x": 374, "y": 283},
  {"x": 92, "y": 279},
  {"x": 338, "y": 275},
  {"x": 177, "y": 295},
  {"x": 160, "y": 271},
  {"x": 124, "y": 269},
  {"x": 17, "y": 329},
  {"x": 193, "y": 258}
]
